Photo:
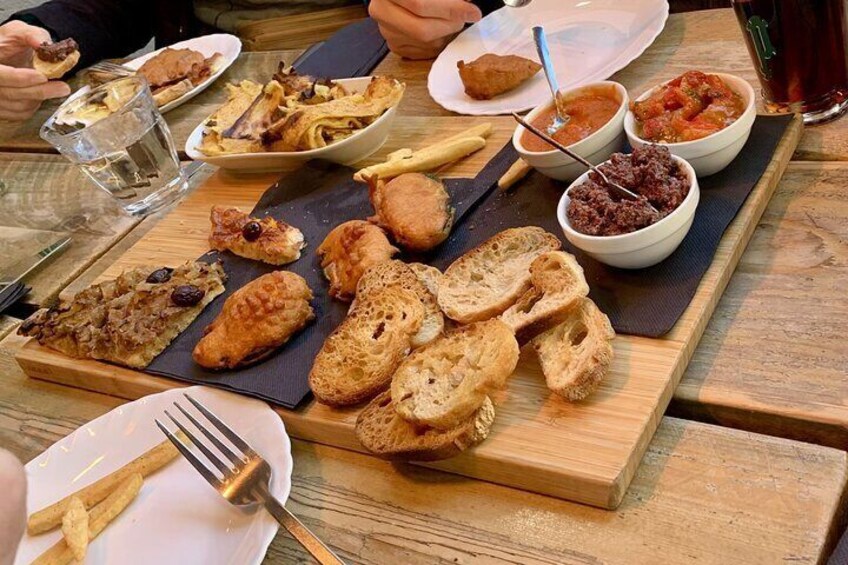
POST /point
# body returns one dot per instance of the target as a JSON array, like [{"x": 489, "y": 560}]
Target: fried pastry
[
  {"x": 414, "y": 208},
  {"x": 131, "y": 319},
  {"x": 267, "y": 240},
  {"x": 255, "y": 320},
  {"x": 348, "y": 251},
  {"x": 491, "y": 75}
]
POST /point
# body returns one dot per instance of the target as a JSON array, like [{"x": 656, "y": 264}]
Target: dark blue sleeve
[{"x": 102, "y": 28}]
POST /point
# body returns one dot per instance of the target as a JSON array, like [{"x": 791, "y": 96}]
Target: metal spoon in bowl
[
  {"x": 561, "y": 118},
  {"x": 623, "y": 192}
]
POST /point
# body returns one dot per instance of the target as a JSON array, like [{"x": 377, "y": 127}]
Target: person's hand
[
  {"x": 420, "y": 29},
  {"x": 22, "y": 89},
  {"x": 12, "y": 506}
]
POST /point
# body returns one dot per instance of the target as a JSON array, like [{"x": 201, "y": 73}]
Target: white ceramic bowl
[
  {"x": 642, "y": 248},
  {"x": 596, "y": 148},
  {"x": 713, "y": 153},
  {"x": 347, "y": 151}
]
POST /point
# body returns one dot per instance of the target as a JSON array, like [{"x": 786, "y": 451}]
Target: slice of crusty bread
[
  {"x": 558, "y": 286},
  {"x": 430, "y": 276},
  {"x": 358, "y": 359},
  {"x": 491, "y": 277},
  {"x": 385, "y": 434},
  {"x": 443, "y": 383},
  {"x": 398, "y": 273},
  {"x": 577, "y": 354}
]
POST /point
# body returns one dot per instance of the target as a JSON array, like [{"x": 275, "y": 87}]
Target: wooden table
[{"x": 771, "y": 361}]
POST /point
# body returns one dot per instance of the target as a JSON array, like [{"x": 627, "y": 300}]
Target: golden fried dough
[
  {"x": 257, "y": 319},
  {"x": 414, "y": 208},
  {"x": 491, "y": 75},
  {"x": 348, "y": 251},
  {"x": 266, "y": 239}
]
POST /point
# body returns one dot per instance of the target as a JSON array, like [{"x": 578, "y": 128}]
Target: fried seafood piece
[
  {"x": 415, "y": 208},
  {"x": 491, "y": 75},
  {"x": 267, "y": 240},
  {"x": 348, "y": 251},
  {"x": 131, "y": 319},
  {"x": 256, "y": 320},
  {"x": 173, "y": 65}
]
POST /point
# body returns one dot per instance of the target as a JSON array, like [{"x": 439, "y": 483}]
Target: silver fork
[
  {"x": 112, "y": 69},
  {"x": 244, "y": 479}
]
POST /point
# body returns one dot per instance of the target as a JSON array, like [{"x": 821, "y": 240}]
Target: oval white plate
[
  {"x": 589, "y": 40},
  {"x": 177, "y": 517},
  {"x": 349, "y": 150},
  {"x": 227, "y": 45}
]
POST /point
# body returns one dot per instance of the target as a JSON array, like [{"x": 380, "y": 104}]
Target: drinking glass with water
[{"x": 117, "y": 136}]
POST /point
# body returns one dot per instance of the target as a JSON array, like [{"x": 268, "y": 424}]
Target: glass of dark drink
[{"x": 798, "y": 49}]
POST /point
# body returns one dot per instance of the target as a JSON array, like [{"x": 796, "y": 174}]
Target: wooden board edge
[{"x": 762, "y": 193}]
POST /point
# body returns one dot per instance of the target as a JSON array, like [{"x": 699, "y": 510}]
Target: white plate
[
  {"x": 347, "y": 151},
  {"x": 227, "y": 45},
  {"x": 177, "y": 517},
  {"x": 589, "y": 40}
]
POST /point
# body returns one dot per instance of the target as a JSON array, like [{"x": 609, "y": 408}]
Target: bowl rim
[
  {"x": 192, "y": 152},
  {"x": 750, "y": 108},
  {"x": 562, "y": 215},
  {"x": 622, "y": 110}
]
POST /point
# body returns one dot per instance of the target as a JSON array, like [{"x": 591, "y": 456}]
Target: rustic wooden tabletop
[{"x": 771, "y": 363}]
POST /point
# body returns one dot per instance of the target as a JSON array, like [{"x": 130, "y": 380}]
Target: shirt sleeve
[{"x": 102, "y": 28}]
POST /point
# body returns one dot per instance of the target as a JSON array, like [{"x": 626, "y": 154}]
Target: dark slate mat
[{"x": 320, "y": 196}]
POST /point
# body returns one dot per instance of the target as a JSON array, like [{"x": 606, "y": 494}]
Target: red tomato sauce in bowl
[
  {"x": 692, "y": 106},
  {"x": 589, "y": 110}
]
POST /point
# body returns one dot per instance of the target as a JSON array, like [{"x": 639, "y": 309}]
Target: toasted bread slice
[
  {"x": 577, "y": 354},
  {"x": 558, "y": 286},
  {"x": 398, "y": 273},
  {"x": 430, "y": 276},
  {"x": 167, "y": 94},
  {"x": 443, "y": 383},
  {"x": 491, "y": 277},
  {"x": 358, "y": 359},
  {"x": 385, "y": 434}
]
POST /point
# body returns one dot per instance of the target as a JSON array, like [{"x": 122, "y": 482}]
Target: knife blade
[{"x": 22, "y": 268}]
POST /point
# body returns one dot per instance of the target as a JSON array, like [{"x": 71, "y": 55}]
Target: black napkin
[
  {"x": 353, "y": 51},
  {"x": 320, "y": 196}
]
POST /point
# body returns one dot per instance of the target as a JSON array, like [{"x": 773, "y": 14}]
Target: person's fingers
[
  {"x": 31, "y": 36},
  {"x": 453, "y": 10},
  {"x": 404, "y": 23},
  {"x": 401, "y": 45},
  {"x": 19, "y": 78},
  {"x": 21, "y": 105},
  {"x": 52, "y": 89}
]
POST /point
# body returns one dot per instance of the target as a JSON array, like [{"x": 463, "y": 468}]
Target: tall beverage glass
[
  {"x": 118, "y": 138},
  {"x": 798, "y": 49}
]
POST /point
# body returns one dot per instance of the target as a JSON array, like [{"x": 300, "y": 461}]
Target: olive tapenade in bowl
[
  {"x": 632, "y": 234},
  {"x": 705, "y": 118}
]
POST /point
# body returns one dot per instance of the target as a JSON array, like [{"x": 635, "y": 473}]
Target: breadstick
[
  {"x": 99, "y": 518},
  {"x": 515, "y": 173},
  {"x": 50, "y": 517},
  {"x": 427, "y": 159}
]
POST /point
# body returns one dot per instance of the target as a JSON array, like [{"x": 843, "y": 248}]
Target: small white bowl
[
  {"x": 355, "y": 148},
  {"x": 713, "y": 153},
  {"x": 641, "y": 248},
  {"x": 596, "y": 148}
]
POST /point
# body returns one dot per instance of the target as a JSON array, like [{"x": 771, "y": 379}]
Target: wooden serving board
[{"x": 586, "y": 452}]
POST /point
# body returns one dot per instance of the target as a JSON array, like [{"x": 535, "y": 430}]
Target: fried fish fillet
[
  {"x": 131, "y": 319},
  {"x": 415, "y": 208},
  {"x": 267, "y": 239},
  {"x": 255, "y": 320},
  {"x": 348, "y": 251},
  {"x": 490, "y": 75}
]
